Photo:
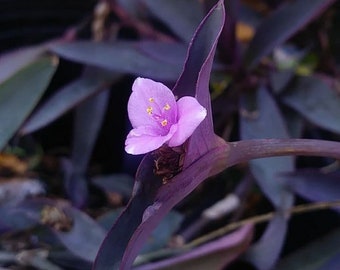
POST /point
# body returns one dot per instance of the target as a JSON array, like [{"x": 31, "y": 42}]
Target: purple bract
[{"x": 157, "y": 118}]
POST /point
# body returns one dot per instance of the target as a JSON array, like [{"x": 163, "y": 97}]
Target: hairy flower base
[{"x": 157, "y": 118}]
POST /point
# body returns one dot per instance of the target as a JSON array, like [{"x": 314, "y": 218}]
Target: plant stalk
[{"x": 243, "y": 151}]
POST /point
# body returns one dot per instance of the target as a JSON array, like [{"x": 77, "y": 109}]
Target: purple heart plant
[
  {"x": 175, "y": 131},
  {"x": 158, "y": 119},
  {"x": 212, "y": 90}
]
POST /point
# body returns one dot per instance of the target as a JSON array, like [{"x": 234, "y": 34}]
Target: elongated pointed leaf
[
  {"x": 145, "y": 210},
  {"x": 194, "y": 80},
  {"x": 265, "y": 253},
  {"x": 267, "y": 122},
  {"x": 111, "y": 253},
  {"x": 152, "y": 199},
  {"x": 84, "y": 236},
  {"x": 118, "y": 56},
  {"x": 12, "y": 62},
  {"x": 314, "y": 185},
  {"x": 280, "y": 25},
  {"x": 170, "y": 52},
  {"x": 182, "y": 17},
  {"x": 316, "y": 101},
  {"x": 214, "y": 255},
  {"x": 69, "y": 96},
  {"x": 20, "y": 93},
  {"x": 88, "y": 120}
]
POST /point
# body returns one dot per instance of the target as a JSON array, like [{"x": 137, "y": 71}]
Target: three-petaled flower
[{"x": 157, "y": 118}]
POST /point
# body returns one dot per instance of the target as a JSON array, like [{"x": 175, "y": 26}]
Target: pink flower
[{"x": 157, "y": 118}]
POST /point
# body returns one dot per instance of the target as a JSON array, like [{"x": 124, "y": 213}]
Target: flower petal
[
  {"x": 146, "y": 94},
  {"x": 145, "y": 139},
  {"x": 190, "y": 115}
]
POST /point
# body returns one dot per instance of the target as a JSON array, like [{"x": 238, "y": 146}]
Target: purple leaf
[
  {"x": 229, "y": 47},
  {"x": 152, "y": 199},
  {"x": 20, "y": 93},
  {"x": 170, "y": 194},
  {"x": 194, "y": 80},
  {"x": 91, "y": 82},
  {"x": 316, "y": 101},
  {"x": 280, "y": 25},
  {"x": 121, "y": 183},
  {"x": 313, "y": 184},
  {"x": 170, "y": 52},
  {"x": 265, "y": 253},
  {"x": 84, "y": 235},
  {"x": 124, "y": 57},
  {"x": 111, "y": 253},
  {"x": 88, "y": 120},
  {"x": 214, "y": 255},
  {"x": 267, "y": 122},
  {"x": 182, "y": 17}
]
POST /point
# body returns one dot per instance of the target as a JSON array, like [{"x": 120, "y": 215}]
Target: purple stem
[{"x": 243, "y": 151}]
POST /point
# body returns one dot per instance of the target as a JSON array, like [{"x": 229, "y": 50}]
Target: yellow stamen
[
  {"x": 151, "y": 99},
  {"x": 166, "y": 107},
  {"x": 149, "y": 110},
  {"x": 164, "y": 122}
]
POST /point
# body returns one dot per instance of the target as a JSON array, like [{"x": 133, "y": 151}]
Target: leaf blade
[{"x": 22, "y": 91}]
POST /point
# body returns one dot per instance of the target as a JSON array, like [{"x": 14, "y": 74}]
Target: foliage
[{"x": 267, "y": 76}]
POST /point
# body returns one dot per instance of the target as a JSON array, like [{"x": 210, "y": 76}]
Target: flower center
[{"x": 158, "y": 114}]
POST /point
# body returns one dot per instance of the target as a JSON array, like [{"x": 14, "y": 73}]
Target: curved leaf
[
  {"x": 182, "y": 17},
  {"x": 150, "y": 203},
  {"x": 20, "y": 93},
  {"x": 88, "y": 120},
  {"x": 267, "y": 122},
  {"x": 118, "y": 56},
  {"x": 171, "y": 52},
  {"x": 265, "y": 253},
  {"x": 13, "y": 61},
  {"x": 316, "y": 101},
  {"x": 152, "y": 199},
  {"x": 313, "y": 184},
  {"x": 214, "y": 255},
  {"x": 84, "y": 237},
  {"x": 91, "y": 82},
  {"x": 194, "y": 80},
  {"x": 280, "y": 25}
]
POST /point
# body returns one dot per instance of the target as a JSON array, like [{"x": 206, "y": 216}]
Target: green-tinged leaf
[
  {"x": 316, "y": 101},
  {"x": 263, "y": 122},
  {"x": 280, "y": 25},
  {"x": 161, "y": 235},
  {"x": 182, "y": 17},
  {"x": 314, "y": 255},
  {"x": 118, "y": 56},
  {"x": 12, "y": 62},
  {"x": 20, "y": 93},
  {"x": 91, "y": 82}
]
